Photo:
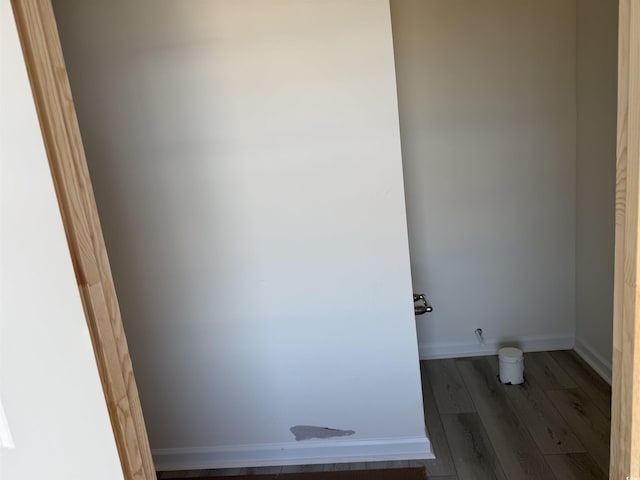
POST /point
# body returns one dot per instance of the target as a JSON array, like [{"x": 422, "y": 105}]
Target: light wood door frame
[
  {"x": 625, "y": 404},
  {"x": 52, "y": 94},
  {"x": 50, "y": 85}
]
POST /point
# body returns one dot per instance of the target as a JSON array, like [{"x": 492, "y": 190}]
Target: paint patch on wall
[{"x": 306, "y": 432}]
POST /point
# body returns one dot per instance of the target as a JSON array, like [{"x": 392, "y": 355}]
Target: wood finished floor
[{"x": 553, "y": 427}]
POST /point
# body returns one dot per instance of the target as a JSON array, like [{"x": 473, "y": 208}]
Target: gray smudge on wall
[{"x": 305, "y": 432}]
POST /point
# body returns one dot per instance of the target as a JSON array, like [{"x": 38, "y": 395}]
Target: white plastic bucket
[{"x": 511, "y": 365}]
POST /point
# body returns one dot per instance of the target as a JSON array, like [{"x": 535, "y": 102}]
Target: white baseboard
[
  {"x": 491, "y": 347},
  {"x": 600, "y": 364},
  {"x": 294, "y": 453}
]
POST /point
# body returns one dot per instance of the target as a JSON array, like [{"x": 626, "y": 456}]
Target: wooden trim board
[
  {"x": 625, "y": 420},
  {"x": 294, "y": 453},
  {"x": 50, "y": 87},
  {"x": 492, "y": 345},
  {"x": 601, "y": 365}
]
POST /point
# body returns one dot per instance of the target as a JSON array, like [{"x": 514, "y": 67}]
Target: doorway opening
[{"x": 627, "y": 225}]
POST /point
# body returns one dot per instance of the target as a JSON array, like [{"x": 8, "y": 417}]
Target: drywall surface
[
  {"x": 487, "y": 113},
  {"x": 597, "y": 29},
  {"x": 247, "y": 168},
  {"x": 49, "y": 381}
]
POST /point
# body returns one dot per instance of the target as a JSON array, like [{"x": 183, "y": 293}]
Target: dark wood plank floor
[{"x": 553, "y": 427}]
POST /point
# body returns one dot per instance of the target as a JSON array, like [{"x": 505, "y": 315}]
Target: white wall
[
  {"x": 597, "y": 30},
  {"x": 48, "y": 376},
  {"x": 487, "y": 112},
  {"x": 246, "y": 162}
]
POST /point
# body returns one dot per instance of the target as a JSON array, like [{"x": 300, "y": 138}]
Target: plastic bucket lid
[{"x": 510, "y": 354}]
